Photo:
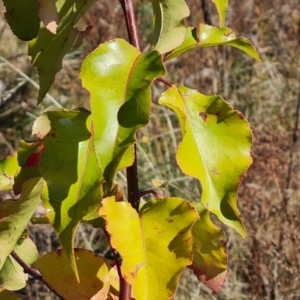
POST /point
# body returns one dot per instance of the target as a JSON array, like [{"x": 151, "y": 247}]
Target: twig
[
  {"x": 34, "y": 273},
  {"x": 166, "y": 82},
  {"x": 131, "y": 172},
  {"x": 129, "y": 14},
  {"x": 48, "y": 96},
  {"x": 125, "y": 288},
  {"x": 114, "y": 254}
]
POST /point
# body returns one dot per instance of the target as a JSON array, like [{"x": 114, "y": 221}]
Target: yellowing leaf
[
  {"x": 69, "y": 167},
  {"x": 93, "y": 274},
  {"x": 15, "y": 215},
  {"x": 169, "y": 25},
  {"x": 7, "y": 295},
  {"x": 215, "y": 149},
  {"x": 209, "y": 36},
  {"x": 210, "y": 259},
  {"x": 8, "y": 168},
  {"x": 118, "y": 78},
  {"x": 222, "y": 7},
  {"x": 155, "y": 245}
]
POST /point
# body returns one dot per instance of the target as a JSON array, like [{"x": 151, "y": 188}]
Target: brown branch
[
  {"x": 132, "y": 173},
  {"x": 34, "y": 273},
  {"x": 129, "y": 14},
  {"x": 114, "y": 254},
  {"x": 125, "y": 288}
]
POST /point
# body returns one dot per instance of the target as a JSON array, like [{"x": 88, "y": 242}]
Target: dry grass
[{"x": 266, "y": 265}]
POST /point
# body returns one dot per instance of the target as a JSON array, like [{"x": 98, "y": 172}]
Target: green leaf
[
  {"x": 210, "y": 259},
  {"x": 7, "y": 295},
  {"x": 93, "y": 218},
  {"x": 93, "y": 274},
  {"x": 48, "y": 49},
  {"x": 8, "y": 169},
  {"x": 215, "y": 149},
  {"x": 28, "y": 160},
  {"x": 158, "y": 243},
  {"x": 12, "y": 276},
  {"x": 209, "y": 36},
  {"x": 169, "y": 25},
  {"x": 222, "y": 7},
  {"x": 69, "y": 167},
  {"x": 118, "y": 78},
  {"x": 22, "y": 17},
  {"x": 15, "y": 215}
]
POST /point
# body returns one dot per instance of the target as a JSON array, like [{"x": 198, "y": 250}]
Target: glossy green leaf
[
  {"x": 222, "y": 7},
  {"x": 169, "y": 25},
  {"x": 69, "y": 166},
  {"x": 210, "y": 259},
  {"x": 22, "y": 17},
  {"x": 215, "y": 149},
  {"x": 12, "y": 276},
  {"x": 48, "y": 49},
  {"x": 209, "y": 36},
  {"x": 8, "y": 168},
  {"x": 15, "y": 215},
  {"x": 118, "y": 78},
  {"x": 155, "y": 245},
  {"x": 93, "y": 274},
  {"x": 7, "y": 295}
]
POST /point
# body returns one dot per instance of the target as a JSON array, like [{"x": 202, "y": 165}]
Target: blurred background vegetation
[{"x": 267, "y": 264}]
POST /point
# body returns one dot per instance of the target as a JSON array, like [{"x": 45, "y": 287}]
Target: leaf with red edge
[
  {"x": 93, "y": 274},
  {"x": 210, "y": 259},
  {"x": 119, "y": 77},
  {"x": 155, "y": 244},
  {"x": 215, "y": 149}
]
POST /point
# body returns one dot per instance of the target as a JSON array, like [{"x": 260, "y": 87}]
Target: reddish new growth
[{"x": 34, "y": 158}]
